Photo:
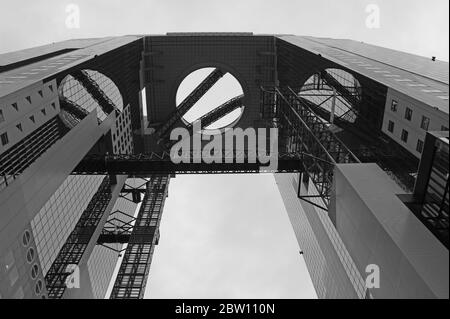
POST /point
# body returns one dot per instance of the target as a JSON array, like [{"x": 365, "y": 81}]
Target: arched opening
[
  {"x": 84, "y": 91},
  {"x": 334, "y": 93},
  {"x": 219, "y": 108}
]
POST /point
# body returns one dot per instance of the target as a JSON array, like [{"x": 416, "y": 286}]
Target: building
[
  {"x": 39, "y": 148},
  {"x": 84, "y": 128},
  {"x": 340, "y": 243}
]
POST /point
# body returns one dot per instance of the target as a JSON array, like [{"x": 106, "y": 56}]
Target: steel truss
[
  {"x": 134, "y": 269},
  {"x": 95, "y": 91},
  {"x": 304, "y": 132},
  {"x": 220, "y": 111},
  {"x": 325, "y": 81},
  {"x": 344, "y": 91},
  {"x": 161, "y": 163},
  {"x": 189, "y": 102},
  {"x": 374, "y": 147},
  {"x": 77, "y": 242},
  {"x": 118, "y": 227},
  {"x": 71, "y": 113}
]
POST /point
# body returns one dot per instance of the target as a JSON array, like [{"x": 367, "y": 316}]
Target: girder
[
  {"x": 72, "y": 108},
  {"x": 306, "y": 132},
  {"x": 113, "y": 238},
  {"x": 344, "y": 91},
  {"x": 94, "y": 90},
  {"x": 133, "y": 273},
  {"x": 161, "y": 163},
  {"x": 117, "y": 229},
  {"x": 220, "y": 111},
  {"x": 189, "y": 101}
]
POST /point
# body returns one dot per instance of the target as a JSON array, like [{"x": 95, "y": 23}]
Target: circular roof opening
[
  {"x": 334, "y": 86},
  {"x": 85, "y": 88},
  {"x": 219, "y": 108}
]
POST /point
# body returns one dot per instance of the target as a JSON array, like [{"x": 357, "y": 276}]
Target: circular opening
[
  {"x": 84, "y": 91},
  {"x": 34, "y": 271},
  {"x": 38, "y": 287},
  {"x": 220, "y": 107},
  {"x": 344, "y": 95},
  {"x": 26, "y": 238},
  {"x": 30, "y": 255}
]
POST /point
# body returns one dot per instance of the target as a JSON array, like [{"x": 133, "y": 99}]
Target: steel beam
[
  {"x": 161, "y": 163},
  {"x": 306, "y": 132},
  {"x": 220, "y": 111},
  {"x": 72, "y": 108},
  {"x": 94, "y": 90},
  {"x": 189, "y": 102},
  {"x": 133, "y": 273},
  {"x": 344, "y": 91},
  {"x": 113, "y": 238}
]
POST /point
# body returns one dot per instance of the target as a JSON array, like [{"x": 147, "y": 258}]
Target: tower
[{"x": 85, "y": 164}]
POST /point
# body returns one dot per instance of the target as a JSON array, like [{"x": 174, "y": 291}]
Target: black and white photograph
[{"x": 224, "y": 158}]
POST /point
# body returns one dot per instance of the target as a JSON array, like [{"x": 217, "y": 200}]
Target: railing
[{"x": 304, "y": 132}]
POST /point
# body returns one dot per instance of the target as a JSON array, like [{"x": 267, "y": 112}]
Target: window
[
  {"x": 394, "y": 105},
  {"x": 28, "y": 99},
  {"x": 391, "y": 126},
  {"x": 50, "y": 87},
  {"x": 444, "y": 128},
  {"x": 425, "y": 123},
  {"x": 32, "y": 118},
  {"x": 30, "y": 255},
  {"x": 40, "y": 93},
  {"x": 404, "y": 136},
  {"x": 38, "y": 287},
  {"x": 44, "y": 112},
  {"x": 19, "y": 127},
  {"x": 53, "y": 105},
  {"x": 2, "y": 118},
  {"x": 4, "y": 138},
  {"x": 408, "y": 114},
  {"x": 26, "y": 238},
  {"x": 34, "y": 271},
  {"x": 14, "y": 105},
  {"x": 419, "y": 147}
]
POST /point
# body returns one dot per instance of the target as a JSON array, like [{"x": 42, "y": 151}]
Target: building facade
[
  {"x": 50, "y": 120},
  {"x": 81, "y": 120}
]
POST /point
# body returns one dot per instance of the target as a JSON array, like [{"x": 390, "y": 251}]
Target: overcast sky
[{"x": 229, "y": 236}]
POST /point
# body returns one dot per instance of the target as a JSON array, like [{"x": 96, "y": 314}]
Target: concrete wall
[{"x": 377, "y": 228}]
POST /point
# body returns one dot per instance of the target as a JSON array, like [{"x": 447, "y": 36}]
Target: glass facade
[
  {"x": 332, "y": 270},
  {"x": 57, "y": 218}
]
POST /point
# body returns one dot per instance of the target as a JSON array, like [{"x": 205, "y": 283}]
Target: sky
[
  {"x": 415, "y": 26},
  {"x": 229, "y": 236}
]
